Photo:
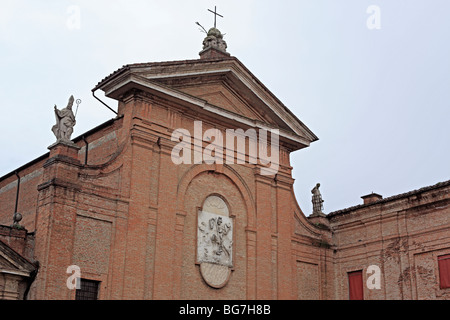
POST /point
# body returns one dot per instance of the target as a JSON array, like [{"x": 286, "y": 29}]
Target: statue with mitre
[{"x": 65, "y": 121}]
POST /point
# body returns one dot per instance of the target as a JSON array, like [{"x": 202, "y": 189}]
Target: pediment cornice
[
  {"x": 168, "y": 78},
  {"x": 13, "y": 263}
]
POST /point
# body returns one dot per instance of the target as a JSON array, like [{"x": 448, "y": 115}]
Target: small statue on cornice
[
  {"x": 65, "y": 121},
  {"x": 317, "y": 201}
]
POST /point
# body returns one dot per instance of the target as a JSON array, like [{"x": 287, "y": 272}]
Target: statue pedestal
[
  {"x": 63, "y": 163},
  {"x": 65, "y": 149},
  {"x": 320, "y": 220}
]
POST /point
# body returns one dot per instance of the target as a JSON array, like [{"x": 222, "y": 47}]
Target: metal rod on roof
[
  {"x": 93, "y": 93},
  {"x": 17, "y": 191}
]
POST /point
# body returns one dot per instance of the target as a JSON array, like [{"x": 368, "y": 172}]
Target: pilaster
[
  {"x": 141, "y": 154},
  {"x": 166, "y": 242},
  {"x": 263, "y": 236},
  {"x": 285, "y": 214},
  {"x": 56, "y": 216}
]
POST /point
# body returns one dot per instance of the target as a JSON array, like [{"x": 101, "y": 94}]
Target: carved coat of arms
[{"x": 215, "y": 241}]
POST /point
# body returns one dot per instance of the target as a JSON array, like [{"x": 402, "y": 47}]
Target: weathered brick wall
[
  {"x": 30, "y": 177},
  {"x": 20, "y": 241},
  {"x": 102, "y": 144},
  {"x": 402, "y": 236}
]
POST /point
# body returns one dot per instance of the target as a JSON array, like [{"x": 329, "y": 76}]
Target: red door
[
  {"x": 355, "y": 285},
  {"x": 444, "y": 271}
]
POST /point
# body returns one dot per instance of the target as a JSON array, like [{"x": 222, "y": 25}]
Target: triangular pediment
[
  {"x": 221, "y": 86},
  {"x": 13, "y": 262},
  {"x": 223, "y": 96},
  {"x": 221, "y": 99},
  {"x": 6, "y": 264}
]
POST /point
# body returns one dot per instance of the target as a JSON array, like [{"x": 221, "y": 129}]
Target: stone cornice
[
  {"x": 152, "y": 76},
  {"x": 128, "y": 81}
]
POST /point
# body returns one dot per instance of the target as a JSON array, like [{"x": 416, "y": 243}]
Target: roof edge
[
  {"x": 288, "y": 117},
  {"x": 389, "y": 199}
]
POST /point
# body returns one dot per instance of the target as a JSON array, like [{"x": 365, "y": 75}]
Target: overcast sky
[{"x": 378, "y": 99}]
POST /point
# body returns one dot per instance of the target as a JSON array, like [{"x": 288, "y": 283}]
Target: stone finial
[
  {"x": 65, "y": 121},
  {"x": 16, "y": 219},
  {"x": 213, "y": 45},
  {"x": 214, "y": 39},
  {"x": 317, "y": 201}
]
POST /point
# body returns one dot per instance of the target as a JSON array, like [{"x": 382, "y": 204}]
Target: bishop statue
[{"x": 65, "y": 121}]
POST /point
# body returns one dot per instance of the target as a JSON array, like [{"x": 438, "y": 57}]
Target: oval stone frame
[{"x": 215, "y": 239}]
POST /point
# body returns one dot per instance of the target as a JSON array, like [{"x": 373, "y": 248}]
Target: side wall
[
  {"x": 30, "y": 177},
  {"x": 403, "y": 237},
  {"x": 101, "y": 142}
]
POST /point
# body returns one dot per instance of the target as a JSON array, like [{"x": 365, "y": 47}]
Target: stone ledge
[
  {"x": 13, "y": 232},
  {"x": 64, "y": 159},
  {"x": 59, "y": 183}
]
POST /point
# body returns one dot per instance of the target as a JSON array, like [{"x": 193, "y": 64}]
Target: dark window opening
[{"x": 88, "y": 290}]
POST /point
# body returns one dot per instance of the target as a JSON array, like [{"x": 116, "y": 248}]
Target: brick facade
[{"x": 126, "y": 214}]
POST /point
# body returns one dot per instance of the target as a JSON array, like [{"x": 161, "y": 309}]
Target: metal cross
[{"x": 215, "y": 15}]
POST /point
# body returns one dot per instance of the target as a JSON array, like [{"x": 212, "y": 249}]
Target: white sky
[{"x": 377, "y": 99}]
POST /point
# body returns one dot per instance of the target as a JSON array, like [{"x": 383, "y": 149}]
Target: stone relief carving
[
  {"x": 215, "y": 239},
  {"x": 215, "y": 242}
]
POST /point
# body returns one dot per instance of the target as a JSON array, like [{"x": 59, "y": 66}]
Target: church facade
[{"x": 188, "y": 194}]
